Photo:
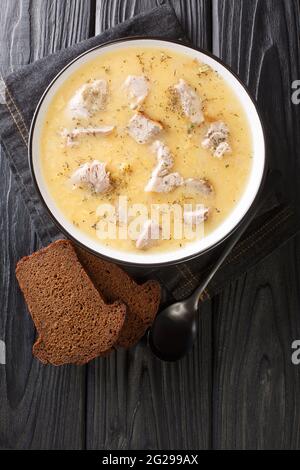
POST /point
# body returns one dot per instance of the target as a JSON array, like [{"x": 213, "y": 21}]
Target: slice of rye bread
[
  {"x": 73, "y": 322},
  {"x": 115, "y": 284}
]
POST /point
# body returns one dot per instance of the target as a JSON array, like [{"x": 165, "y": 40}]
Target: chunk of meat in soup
[
  {"x": 221, "y": 149},
  {"x": 197, "y": 185},
  {"x": 216, "y": 139},
  {"x": 191, "y": 102},
  {"x": 89, "y": 99},
  {"x": 165, "y": 160},
  {"x": 137, "y": 89},
  {"x": 197, "y": 216},
  {"x": 72, "y": 136},
  {"x": 93, "y": 175},
  {"x": 142, "y": 129},
  {"x": 163, "y": 184},
  {"x": 161, "y": 181},
  {"x": 149, "y": 235}
]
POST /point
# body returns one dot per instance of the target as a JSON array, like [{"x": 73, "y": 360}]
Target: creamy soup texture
[{"x": 203, "y": 127}]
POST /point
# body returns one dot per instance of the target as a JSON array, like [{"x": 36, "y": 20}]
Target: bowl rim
[{"x": 180, "y": 260}]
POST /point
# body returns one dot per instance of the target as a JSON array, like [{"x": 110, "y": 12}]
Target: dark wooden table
[{"x": 238, "y": 387}]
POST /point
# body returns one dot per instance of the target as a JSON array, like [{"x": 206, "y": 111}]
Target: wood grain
[
  {"x": 40, "y": 407},
  {"x": 194, "y": 16},
  {"x": 256, "y": 400},
  {"x": 135, "y": 401},
  {"x": 260, "y": 41}
]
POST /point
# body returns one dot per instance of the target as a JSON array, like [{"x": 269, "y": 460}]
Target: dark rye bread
[
  {"x": 73, "y": 322},
  {"x": 115, "y": 284}
]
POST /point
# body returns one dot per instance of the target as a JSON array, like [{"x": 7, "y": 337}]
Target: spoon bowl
[{"x": 173, "y": 332}]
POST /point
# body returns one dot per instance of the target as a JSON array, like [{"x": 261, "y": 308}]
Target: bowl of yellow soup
[{"x": 147, "y": 151}]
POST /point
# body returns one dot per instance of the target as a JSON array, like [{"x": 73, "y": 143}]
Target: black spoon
[{"x": 174, "y": 329}]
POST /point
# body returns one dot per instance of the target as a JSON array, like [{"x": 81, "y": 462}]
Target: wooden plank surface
[
  {"x": 135, "y": 401},
  {"x": 194, "y": 16},
  {"x": 256, "y": 401},
  {"x": 40, "y": 407}
]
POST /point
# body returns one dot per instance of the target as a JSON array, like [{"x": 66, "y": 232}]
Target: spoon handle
[{"x": 271, "y": 180}]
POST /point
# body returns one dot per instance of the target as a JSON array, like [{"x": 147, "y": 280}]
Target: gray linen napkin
[{"x": 19, "y": 95}]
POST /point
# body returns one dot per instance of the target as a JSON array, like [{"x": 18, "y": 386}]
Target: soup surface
[{"x": 130, "y": 164}]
